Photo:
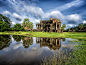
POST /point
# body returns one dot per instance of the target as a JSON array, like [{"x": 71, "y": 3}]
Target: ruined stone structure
[
  {"x": 52, "y": 43},
  {"x": 52, "y": 25}
]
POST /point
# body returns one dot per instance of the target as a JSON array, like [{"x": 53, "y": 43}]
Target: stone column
[
  {"x": 56, "y": 25},
  {"x": 39, "y": 26}
]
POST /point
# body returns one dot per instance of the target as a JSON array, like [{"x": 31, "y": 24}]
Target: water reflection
[
  {"x": 18, "y": 37},
  {"x": 52, "y": 43},
  {"x": 5, "y": 41},
  {"x": 19, "y": 50},
  {"x": 27, "y": 41}
]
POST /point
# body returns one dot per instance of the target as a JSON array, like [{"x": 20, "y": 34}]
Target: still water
[{"x": 15, "y": 49}]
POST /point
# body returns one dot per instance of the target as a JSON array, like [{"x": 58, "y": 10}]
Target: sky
[{"x": 70, "y": 12}]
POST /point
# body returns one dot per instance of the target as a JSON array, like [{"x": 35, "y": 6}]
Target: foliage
[
  {"x": 5, "y": 23},
  {"x": 27, "y": 24},
  {"x": 62, "y": 28},
  {"x": 3, "y": 26},
  {"x": 18, "y": 27},
  {"x": 80, "y": 26},
  {"x": 6, "y": 19}
]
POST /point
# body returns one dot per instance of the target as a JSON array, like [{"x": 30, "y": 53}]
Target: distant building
[{"x": 52, "y": 25}]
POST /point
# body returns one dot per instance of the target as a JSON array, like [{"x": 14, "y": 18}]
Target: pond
[{"x": 15, "y": 49}]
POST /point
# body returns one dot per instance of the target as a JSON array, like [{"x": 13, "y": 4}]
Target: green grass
[{"x": 75, "y": 35}]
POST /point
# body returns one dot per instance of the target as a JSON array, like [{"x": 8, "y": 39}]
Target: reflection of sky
[{"x": 17, "y": 53}]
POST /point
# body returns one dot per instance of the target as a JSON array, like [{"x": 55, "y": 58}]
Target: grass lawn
[{"x": 75, "y": 35}]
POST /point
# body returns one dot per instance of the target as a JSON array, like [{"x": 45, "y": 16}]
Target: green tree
[
  {"x": 63, "y": 26},
  {"x": 5, "y": 23},
  {"x": 3, "y": 26},
  {"x": 80, "y": 26},
  {"x": 17, "y": 27},
  {"x": 6, "y": 19},
  {"x": 27, "y": 24},
  {"x": 85, "y": 26}
]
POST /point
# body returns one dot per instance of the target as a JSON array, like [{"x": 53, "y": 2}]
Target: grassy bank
[{"x": 75, "y": 35}]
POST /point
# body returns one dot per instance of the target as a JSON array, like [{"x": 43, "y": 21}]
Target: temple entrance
[{"x": 57, "y": 26}]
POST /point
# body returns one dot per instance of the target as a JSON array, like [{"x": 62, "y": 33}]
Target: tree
[
  {"x": 5, "y": 23},
  {"x": 17, "y": 27},
  {"x": 6, "y": 19},
  {"x": 80, "y": 26},
  {"x": 3, "y": 26},
  {"x": 27, "y": 24},
  {"x": 85, "y": 26},
  {"x": 63, "y": 26}
]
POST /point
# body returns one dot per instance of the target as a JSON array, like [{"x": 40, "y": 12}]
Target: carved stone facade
[{"x": 52, "y": 25}]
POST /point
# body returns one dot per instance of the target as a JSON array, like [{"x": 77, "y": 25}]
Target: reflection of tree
[
  {"x": 63, "y": 39},
  {"x": 52, "y": 43},
  {"x": 27, "y": 42},
  {"x": 18, "y": 37},
  {"x": 5, "y": 41}
]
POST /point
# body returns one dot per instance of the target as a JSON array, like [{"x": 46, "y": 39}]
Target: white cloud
[
  {"x": 13, "y": 23},
  {"x": 70, "y": 25},
  {"x": 55, "y": 14},
  {"x": 34, "y": 10},
  {"x": 6, "y": 13},
  {"x": 71, "y": 4},
  {"x": 84, "y": 22},
  {"x": 73, "y": 17},
  {"x": 16, "y": 15}
]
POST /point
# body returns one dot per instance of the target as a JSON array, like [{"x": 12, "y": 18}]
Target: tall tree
[
  {"x": 27, "y": 24},
  {"x": 6, "y": 19},
  {"x": 63, "y": 26},
  {"x": 3, "y": 26},
  {"x": 80, "y": 26},
  {"x": 5, "y": 23},
  {"x": 85, "y": 26},
  {"x": 18, "y": 27}
]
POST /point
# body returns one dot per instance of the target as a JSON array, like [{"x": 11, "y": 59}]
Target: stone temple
[{"x": 52, "y": 25}]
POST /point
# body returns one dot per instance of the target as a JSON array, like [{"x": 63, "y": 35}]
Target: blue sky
[{"x": 70, "y": 12}]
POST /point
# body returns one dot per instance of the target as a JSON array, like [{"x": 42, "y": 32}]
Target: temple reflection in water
[{"x": 52, "y": 43}]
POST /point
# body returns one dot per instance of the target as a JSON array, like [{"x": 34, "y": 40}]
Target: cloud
[
  {"x": 13, "y": 23},
  {"x": 17, "y": 17},
  {"x": 70, "y": 25},
  {"x": 71, "y": 4},
  {"x": 37, "y": 11},
  {"x": 7, "y": 13},
  {"x": 84, "y": 22},
  {"x": 54, "y": 14},
  {"x": 73, "y": 18}
]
